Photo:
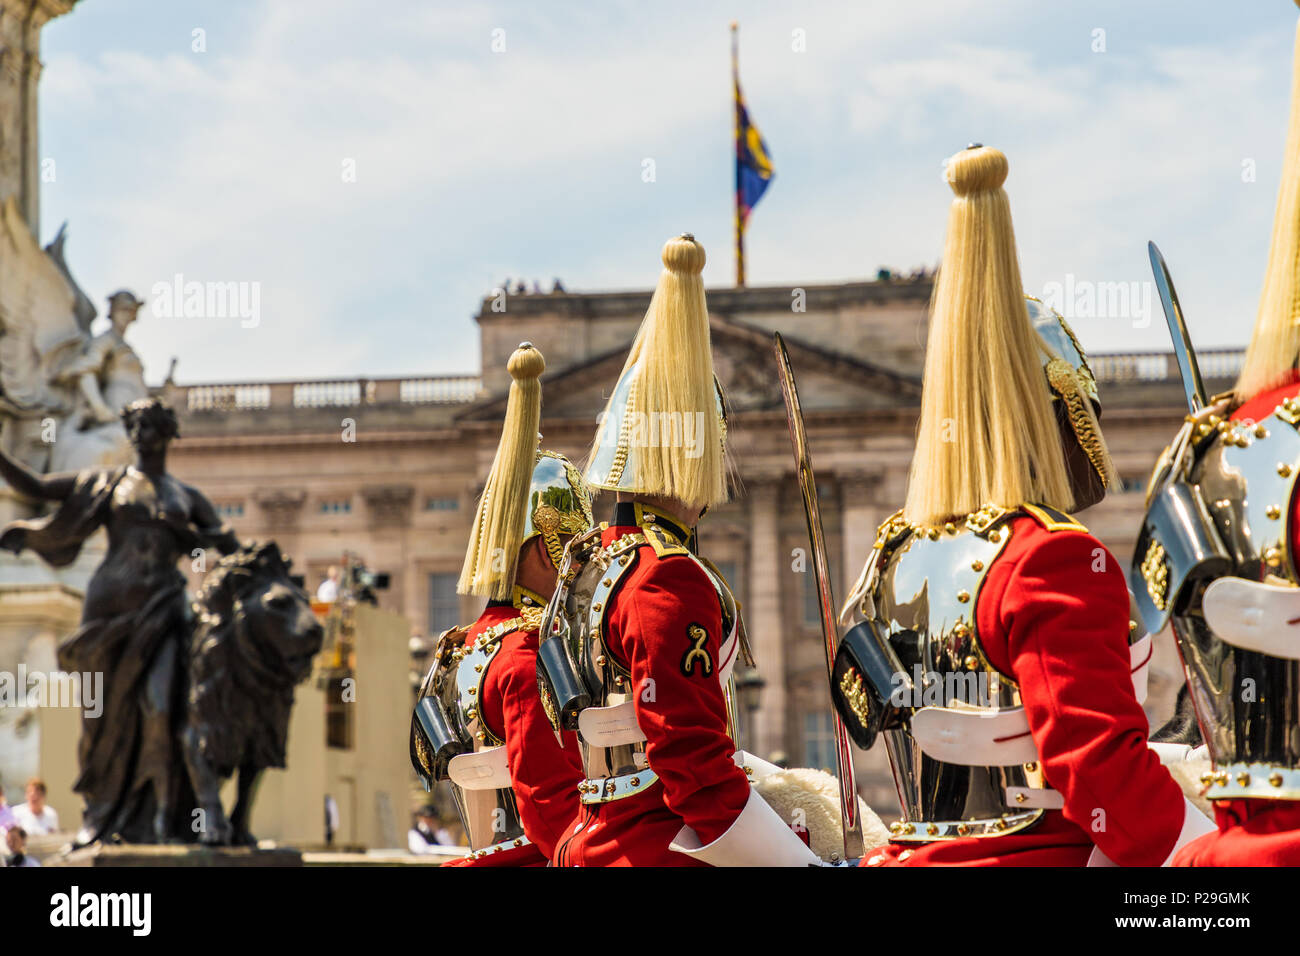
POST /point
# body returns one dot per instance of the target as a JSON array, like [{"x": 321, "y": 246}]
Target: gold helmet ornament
[
  {"x": 1072, "y": 384},
  {"x": 988, "y": 434},
  {"x": 663, "y": 431},
  {"x": 529, "y": 492}
]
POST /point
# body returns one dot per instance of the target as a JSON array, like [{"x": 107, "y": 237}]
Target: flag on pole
[{"x": 753, "y": 162}]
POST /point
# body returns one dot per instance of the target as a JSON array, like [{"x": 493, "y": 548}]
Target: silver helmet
[
  {"x": 559, "y": 503},
  {"x": 613, "y": 461},
  {"x": 1070, "y": 380}
]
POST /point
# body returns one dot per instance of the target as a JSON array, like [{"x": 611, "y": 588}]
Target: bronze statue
[
  {"x": 136, "y": 624},
  {"x": 255, "y": 640}
]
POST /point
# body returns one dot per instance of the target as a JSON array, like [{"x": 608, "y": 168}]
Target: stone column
[
  {"x": 861, "y": 513},
  {"x": 20, "y": 70},
  {"x": 763, "y": 617}
]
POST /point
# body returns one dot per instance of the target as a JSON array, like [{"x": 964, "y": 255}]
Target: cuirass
[
  {"x": 1226, "y": 511},
  {"x": 613, "y": 745},
  {"x": 479, "y": 775},
  {"x": 925, "y": 602},
  {"x": 608, "y": 680}
]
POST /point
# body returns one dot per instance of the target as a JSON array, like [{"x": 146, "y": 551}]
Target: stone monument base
[{"x": 138, "y": 854}]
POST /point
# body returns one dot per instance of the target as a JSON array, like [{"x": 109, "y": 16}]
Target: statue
[
  {"x": 138, "y": 629},
  {"x": 255, "y": 641},
  {"x": 107, "y": 374},
  {"x": 61, "y": 389}
]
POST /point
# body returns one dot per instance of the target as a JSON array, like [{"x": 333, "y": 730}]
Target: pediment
[{"x": 745, "y": 365}]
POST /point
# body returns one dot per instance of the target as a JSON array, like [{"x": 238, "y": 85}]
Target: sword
[
  {"x": 849, "y": 816},
  {"x": 1183, "y": 351}
]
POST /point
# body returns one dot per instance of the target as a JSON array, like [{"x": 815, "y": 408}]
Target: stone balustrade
[
  {"x": 1161, "y": 366},
  {"x": 223, "y": 398},
  {"x": 1108, "y": 367}
]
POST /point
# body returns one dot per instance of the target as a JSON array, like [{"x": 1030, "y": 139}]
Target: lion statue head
[{"x": 254, "y": 640}]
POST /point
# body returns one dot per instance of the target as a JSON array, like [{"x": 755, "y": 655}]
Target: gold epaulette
[
  {"x": 662, "y": 541},
  {"x": 1053, "y": 520}
]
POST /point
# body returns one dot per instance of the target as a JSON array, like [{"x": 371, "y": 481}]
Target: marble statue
[{"x": 62, "y": 389}]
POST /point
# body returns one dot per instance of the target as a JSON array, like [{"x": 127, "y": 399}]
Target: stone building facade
[{"x": 389, "y": 470}]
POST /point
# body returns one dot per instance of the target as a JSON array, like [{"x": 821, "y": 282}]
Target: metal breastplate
[
  {"x": 609, "y": 681},
  {"x": 613, "y": 747},
  {"x": 925, "y": 602},
  {"x": 1227, "y": 512},
  {"x": 479, "y": 777}
]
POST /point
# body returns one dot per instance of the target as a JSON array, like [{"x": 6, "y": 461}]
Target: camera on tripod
[{"x": 361, "y": 583}]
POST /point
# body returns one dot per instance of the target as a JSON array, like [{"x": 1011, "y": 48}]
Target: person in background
[
  {"x": 6, "y": 811},
  {"x": 422, "y": 838},
  {"x": 35, "y": 816},
  {"x": 16, "y": 841},
  {"x": 328, "y": 592},
  {"x": 331, "y": 819}
]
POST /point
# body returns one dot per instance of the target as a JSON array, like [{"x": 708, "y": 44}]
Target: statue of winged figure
[{"x": 62, "y": 389}]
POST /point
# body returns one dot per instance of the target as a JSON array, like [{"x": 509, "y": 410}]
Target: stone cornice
[{"x": 722, "y": 301}]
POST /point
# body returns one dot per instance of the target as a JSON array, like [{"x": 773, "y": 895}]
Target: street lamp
[{"x": 749, "y": 692}]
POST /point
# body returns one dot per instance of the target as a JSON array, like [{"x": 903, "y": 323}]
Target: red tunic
[
  {"x": 1254, "y": 832},
  {"x": 682, "y": 713},
  {"x": 1053, "y": 613},
  {"x": 544, "y": 774}
]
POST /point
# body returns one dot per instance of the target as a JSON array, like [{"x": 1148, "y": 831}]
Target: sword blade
[
  {"x": 812, "y": 511},
  {"x": 1184, "y": 354}
]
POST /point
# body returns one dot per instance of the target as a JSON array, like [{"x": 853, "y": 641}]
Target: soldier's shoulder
[
  {"x": 1053, "y": 519},
  {"x": 664, "y": 544},
  {"x": 1050, "y": 538},
  {"x": 663, "y": 560}
]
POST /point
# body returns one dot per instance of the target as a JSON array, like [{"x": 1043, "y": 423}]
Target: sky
[{"x": 371, "y": 170}]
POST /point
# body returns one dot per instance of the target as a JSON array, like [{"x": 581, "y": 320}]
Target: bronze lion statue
[{"x": 254, "y": 640}]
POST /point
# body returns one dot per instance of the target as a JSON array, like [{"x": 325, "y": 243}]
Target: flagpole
[{"x": 735, "y": 113}]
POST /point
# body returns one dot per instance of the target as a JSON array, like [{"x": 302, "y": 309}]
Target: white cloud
[{"x": 473, "y": 165}]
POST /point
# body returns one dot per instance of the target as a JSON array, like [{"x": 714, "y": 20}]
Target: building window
[
  {"x": 336, "y": 506},
  {"x": 441, "y": 504},
  {"x": 1133, "y": 483},
  {"x": 444, "y": 605},
  {"x": 230, "y": 509},
  {"x": 819, "y": 741},
  {"x": 339, "y": 710}
]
